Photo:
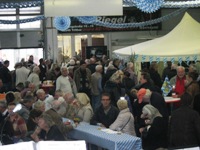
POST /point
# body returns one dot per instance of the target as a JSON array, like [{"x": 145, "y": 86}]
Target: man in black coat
[{"x": 106, "y": 114}]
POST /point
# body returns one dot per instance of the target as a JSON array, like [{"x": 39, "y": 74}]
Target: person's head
[
  {"x": 83, "y": 65},
  {"x": 180, "y": 71},
  {"x": 122, "y": 104},
  {"x": 154, "y": 66},
  {"x": 99, "y": 68},
  {"x": 11, "y": 107},
  {"x": 31, "y": 87},
  {"x": 6, "y": 63},
  {"x": 34, "y": 115},
  {"x": 116, "y": 62},
  {"x": 20, "y": 86},
  {"x": 82, "y": 98},
  {"x": 36, "y": 69},
  {"x": 150, "y": 112},
  {"x": 192, "y": 76},
  {"x": 41, "y": 61},
  {"x": 130, "y": 65},
  {"x": 92, "y": 60},
  {"x": 117, "y": 76},
  {"x": 41, "y": 94},
  {"x": 186, "y": 99},
  {"x": 105, "y": 100},
  {"x": 10, "y": 97},
  {"x": 3, "y": 106},
  {"x": 30, "y": 58},
  {"x": 28, "y": 101},
  {"x": 192, "y": 68},
  {"x": 45, "y": 122},
  {"x": 145, "y": 77},
  {"x": 39, "y": 105},
  {"x": 58, "y": 93},
  {"x": 64, "y": 71},
  {"x": 57, "y": 103},
  {"x": 126, "y": 74},
  {"x": 17, "y": 97},
  {"x": 143, "y": 95},
  {"x": 69, "y": 97},
  {"x": 169, "y": 64}
]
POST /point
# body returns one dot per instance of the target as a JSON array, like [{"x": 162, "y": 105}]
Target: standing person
[
  {"x": 155, "y": 76},
  {"x": 5, "y": 75},
  {"x": 166, "y": 70},
  {"x": 184, "y": 131},
  {"x": 106, "y": 114},
  {"x": 34, "y": 77},
  {"x": 43, "y": 70},
  {"x": 22, "y": 74},
  {"x": 130, "y": 69},
  {"x": 92, "y": 65},
  {"x": 30, "y": 61},
  {"x": 179, "y": 81},
  {"x": 96, "y": 87},
  {"x": 82, "y": 78},
  {"x": 65, "y": 83}
]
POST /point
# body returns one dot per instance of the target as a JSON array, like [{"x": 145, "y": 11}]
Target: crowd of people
[{"x": 101, "y": 92}]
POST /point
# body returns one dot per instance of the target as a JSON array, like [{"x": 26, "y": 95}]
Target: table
[
  {"x": 93, "y": 135},
  {"x": 47, "y": 87},
  {"x": 170, "y": 99}
]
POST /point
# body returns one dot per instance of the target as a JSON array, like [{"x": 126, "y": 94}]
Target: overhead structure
[{"x": 182, "y": 43}]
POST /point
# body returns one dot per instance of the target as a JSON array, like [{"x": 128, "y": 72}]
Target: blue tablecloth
[{"x": 93, "y": 135}]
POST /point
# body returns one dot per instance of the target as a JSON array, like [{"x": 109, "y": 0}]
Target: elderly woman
[
  {"x": 34, "y": 77},
  {"x": 154, "y": 135},
  {"x": 125, "y": 119},
  {"x": 85, "y": 112},
  {"x": 50, "y": 131}
]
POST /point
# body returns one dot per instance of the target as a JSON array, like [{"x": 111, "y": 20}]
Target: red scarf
[{"x": 180, "y": 85}]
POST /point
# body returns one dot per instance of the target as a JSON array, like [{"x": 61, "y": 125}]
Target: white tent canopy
[{"x": 183, "y": 42}]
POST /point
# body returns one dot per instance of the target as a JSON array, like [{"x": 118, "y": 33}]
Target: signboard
[
  {"x": 53, "y": 8},
  {"x": 130, "y": 16}
]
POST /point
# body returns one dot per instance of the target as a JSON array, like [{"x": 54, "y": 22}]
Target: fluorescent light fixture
[{"x": 53, "y": 8}]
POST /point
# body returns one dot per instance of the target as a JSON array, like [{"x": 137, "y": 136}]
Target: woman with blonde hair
[
  {"x": 85, "y": 112},
  {"x": 125, "y": 120}
]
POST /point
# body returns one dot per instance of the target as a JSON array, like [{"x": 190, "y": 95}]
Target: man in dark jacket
[{"x": 106, "y": 114}]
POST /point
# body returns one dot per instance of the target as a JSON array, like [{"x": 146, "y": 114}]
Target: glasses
[{"x": 105, "y": 99}]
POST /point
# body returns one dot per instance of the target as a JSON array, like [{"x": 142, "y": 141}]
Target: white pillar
[
  {"x": 52, "y": 41},
  {"x": 89, "y": 40},
  {"x": 73, "y": 47}
]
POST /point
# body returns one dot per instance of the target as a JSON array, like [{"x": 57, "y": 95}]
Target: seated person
[
  {"x": 106, "y": 114},
  {"x": 154, "y": 135},
  {"x": 50, "y": 130},
  {"x": 85, "y": 112},
  {"x": 18, "y": 124},
  {"x": 125, "y": 119}
]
